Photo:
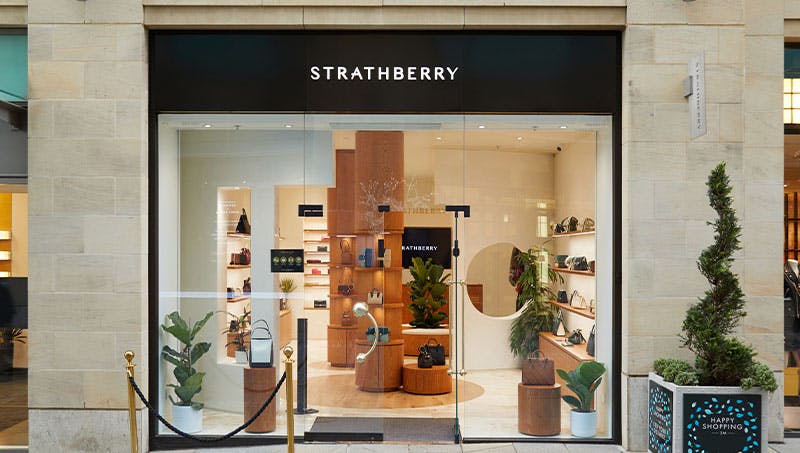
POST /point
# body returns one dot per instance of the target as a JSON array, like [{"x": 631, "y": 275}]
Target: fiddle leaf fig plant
[
  {"x": 584, "y": 381},
  {"x": 189, "y": 380},
  {"x": 427, "y": 293}
]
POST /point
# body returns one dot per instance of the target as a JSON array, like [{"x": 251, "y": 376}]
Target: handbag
[
  {"x": 588, "y": 224},
  {"x": 436, "y": 351},
  {"x": 260, "y": 355},
  {"x": 375, "y": 297},
  {"x": 538, "y": 370},
  {"x": 424, "y": 359},
  {"x": 246, "y": 286},
  {"x": 559, "y": 328},
  {"x": 244, "y": 256},
  {"x": 383, "y": 334},
  {"x": 578, "y": 263},
  {"x": 561, "y": 297},
  {"x": 590, "y": 341},
  {"x": 345, "y": 289},
  {"x": 243, "y": 226},
  {"x": 346, "y": 251},
  {"x": 347, "y": 319},
  {"x": 576, "y": 337}
]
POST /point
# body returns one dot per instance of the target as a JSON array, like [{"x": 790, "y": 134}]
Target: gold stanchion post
[
  {"x": 288, "y": 350},
  {"x": 129, "y": 355}
]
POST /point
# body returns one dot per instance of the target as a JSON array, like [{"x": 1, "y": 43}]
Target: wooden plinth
[
  {"x": 415, "y": 338},
  {"x": 258, "y": 386},
  {"x": 539, "y": 409},
  {"x": 383, "y": 369},
  {"x": 426, "y": 381}
]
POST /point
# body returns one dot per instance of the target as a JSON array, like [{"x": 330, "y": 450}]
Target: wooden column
[{"x": 258, "y": 386}]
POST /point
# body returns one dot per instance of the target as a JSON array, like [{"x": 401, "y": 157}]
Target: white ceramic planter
[
  {"x": 187, "y": 419},
  {"x": 241, "y": 356},
  {"x": 583, "y": 424},
  {"x": 705, "y": 418}
]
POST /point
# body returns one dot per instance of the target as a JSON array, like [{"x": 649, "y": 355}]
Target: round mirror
[{"x": 488, "y": 280}]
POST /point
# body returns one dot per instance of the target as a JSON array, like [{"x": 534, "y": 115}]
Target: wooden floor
[{"x": 14, "y": 410}]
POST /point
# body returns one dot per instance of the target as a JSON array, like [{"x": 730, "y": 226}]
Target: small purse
[
  {"x": 590, "y": 341},
  {"x": 244, "y": 256},
  {"x": 383, "y": 334},
  {"x": 246, "y": 286},
  {"x": 576, "y": 337},
  {"x": 347, "y": 319},
  {"x": 243, "y": 227},
  {"x": 559, "y": 328},
  {"x": 346, "y": 251},
  {"x": 375, "y": 297},
  {"x": 436, "y": 351},
  {"x": 561, "y": 297},
  {"x": 538, "y": 370},
  {"x": 424, "y": 359},
  {"x": 588, "y": 224},
  {"x": 260, "y": 346},
  {"x": 345, "y": 289}
]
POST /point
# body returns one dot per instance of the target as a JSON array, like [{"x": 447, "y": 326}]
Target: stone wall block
[
  {"x": 759, "y": 279},
  {"x": 757, "y": 238},
  {"x": 763, "y": 93},
  {"x": 56, "y": 80},
  {"x": 91, "y": 430},
  {"x": 764, "y": 55},
  {"x": 42, "y": 341},
  {"x": 656, "y": 317},
  {"x": 114, "y": 234},
  {"x": 640, "y": 278},
  {"x": 105, "y": 389},
  {"x": 642, "y": 122},
  {"x": 114, "y": 312},
  {"x": 40, "y": 43},
  {"x": 634, "y": 413},
  {"x": 85, "y": 42},
  {"x": 669, "y": 200},
  {"x": 112, "y": 157},
  {"x": 724, "y": 83},
  {"x": 762, "y": 318},
  {"x": 712, "y": 125},
  {"x": 84, "y": 119},
  {"x": 764, "y": 203},
  {"x": 57, "y": 312},
  {"x": 40, "y": 196},
  {"x": 664, "y": 238},
  {"x": 763, "y": 165},
  {"x": 715, "y": 12},
  {"x": 56, "y": 234},
  {"x": 512, "y": 17},
  {"x": 88, "y": 350},
  {"x": 764, "y": 129},
  {"x": 672, "y": 122},
  {"x": 765, "y": 17},
  {"x": 701, "y": 158},
  {"x": 81, "y": 195},
  {"x": 769, "y": 347},
  {"x": 84, "y": 273},
  {"x": 130, "y": 274},
  {"x": 641, "y": 200},
  {"x": 731, "y": 122},
  {"x": 131, "y": 120},
  {"x": 677, "y": 45},
  {"x": 699, "y": 235},
  {"x": 650, "y": 12},
  {"x": 638, "y": 45},
  {"x": 278, "y": 17},
  {"x": 337, "y": 17},
  {"x": 41, "y": 274},
  {"x": 116, "y": 80},
  {"x": 657, "y": 161},
  {"x": 655, "y": 82},
  {"x": 643, "y": 350},
  {"x": 131, "y": 43},
  {"x": 53, "y": 388},
  {"x": 40, "y": 120},
  {"x": 55, "y": 12},
  {"x": 130, "y": 197},
  {"x": 731, "y": 45},
  {"x": 114, "y": 11},
  {"x": 678, "y": 278}
]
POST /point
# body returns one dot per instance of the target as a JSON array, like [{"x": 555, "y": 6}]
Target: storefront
[{"x": 521, "y": 129}]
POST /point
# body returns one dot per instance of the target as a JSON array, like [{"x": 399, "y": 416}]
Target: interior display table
[
  {"x": 415, "y": 338},
  {"x": 259, "y": 384},
  {"x": 426, "y": 381},
  {"x": 539, "y": 409},
  {"x": 383, "y": 369}
]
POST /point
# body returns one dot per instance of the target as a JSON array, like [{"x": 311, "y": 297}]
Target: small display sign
[
  {"x": 660, "y": 420},
  {"x": 286, "y": 260},
  {"x": 722, "y": 423}
]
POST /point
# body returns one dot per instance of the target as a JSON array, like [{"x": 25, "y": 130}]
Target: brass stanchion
[
  {"x": 129, "y": 355},
  {"x": 288, "y": 351}
]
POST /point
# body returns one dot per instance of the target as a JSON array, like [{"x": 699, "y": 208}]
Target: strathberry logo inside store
[{"x": 383, "y": 73}]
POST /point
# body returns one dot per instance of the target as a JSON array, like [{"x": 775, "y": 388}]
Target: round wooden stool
[
  {"x": 539, "y": 409},
  {"x": 426, "y": 381},
  {"x": 382, "y": 369},
  {"x": 258, "y": 385}
]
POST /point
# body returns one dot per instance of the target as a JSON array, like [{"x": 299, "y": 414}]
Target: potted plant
[
  {"x": 534, "y": 295},
  {"x": 287, "y": 285},
  {"x": 427, "y": 291},
  {"x": 187, "y": 415},
  {"x": 584, "y": 381},
  {"x": 720, "y": 401},
  {"x": 238, "y": 336},
  {"x": 9, "y": 336}
]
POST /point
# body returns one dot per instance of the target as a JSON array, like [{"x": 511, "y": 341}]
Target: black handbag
[
  {"x": 243, "y": 226},
  {"x": 344, "y": 289},
  {"x": 424, "y": 359},
  {"x": 590, "y": 341},
  {"x": 561, "y": 297},
  {"x": 578, "y": 263},
  {"x": 559, "y": 328},
  {"x": 570, "y": 224},
  {"x": 436, "y": 351},
  {"x": 576, "y": 337}
]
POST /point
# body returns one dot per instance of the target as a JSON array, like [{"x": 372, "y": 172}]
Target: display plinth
[
  {"x": 382, "y": 371},
  {"x": 259, "y": 383},
  {"x": 426, "y": 381},
  {"x": 539, "y": 409},
  {"x": 415, "y": 338}
]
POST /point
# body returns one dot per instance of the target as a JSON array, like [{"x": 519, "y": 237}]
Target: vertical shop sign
[
  {"x": 697, "y": 99},
  {"x": 721, "y": 422},
  {"x": 660, "y": 419}
]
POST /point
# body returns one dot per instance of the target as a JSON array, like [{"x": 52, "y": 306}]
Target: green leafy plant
[
  {"x": 239, "y": 327},
  {"x": 12, "y": 335},
  {"x": 720, "y": 358},
  {"x": 427, "y": 291},
  {"x": 189, "y": 379},
  {"x": 287, "y": 285},
  {"x": 584, "y": 381},
  {"x": 534, "y": 295}
]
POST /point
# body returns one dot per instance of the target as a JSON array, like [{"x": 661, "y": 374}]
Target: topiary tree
[{"x": 721, "y": 359}]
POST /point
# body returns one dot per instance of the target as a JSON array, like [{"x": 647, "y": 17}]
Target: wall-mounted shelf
[
  {"x": 5, "y": 235},
  {"x": 570, "y": 271},
  {"x": 233, "y": 234},
  {"x": 576, "y": 351},
  {"x": 577, "y": 233},
  {"x": 579, "y": 311},
  {"x": 238, "y": 266},
  {"x": 316, "y": 285},
  {"x": 373, "y": 269},
  {"x": 238, "y": 299}
]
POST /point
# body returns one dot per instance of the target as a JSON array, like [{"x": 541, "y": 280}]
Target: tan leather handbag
[{"x": 538, "y": 370}]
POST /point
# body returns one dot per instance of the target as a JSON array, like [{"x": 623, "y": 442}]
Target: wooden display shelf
[
  {"x": 316, "y": 229},
  {"x": 315, "y": 252},
  {"x": 351, "y": 295},
  {"x": 316, "y": 308},
  {"x": 238, "y": 299},
  {"x": 238, "y": 266},
  {"x": 379, "y": 233},
  {"x": 577, "y": 351},
  {"x": 570, "y": 271},
  {"x": 374, "y": 268},
  {"x": 579, "y": 311},
  {"x": 578, "y": 233},
  {"x": 316, "y": 275},
  {"x": 233, "y": 234},
  {"x": 316, "y": 285}
]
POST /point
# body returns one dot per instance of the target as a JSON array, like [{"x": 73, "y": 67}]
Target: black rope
[{"x": 205, "y": 439}]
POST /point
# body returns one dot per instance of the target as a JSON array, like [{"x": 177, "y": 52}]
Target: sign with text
[
  {"x": 697, "y": 100},
  {"x": 721, "y": 423},
  {"x": 660, "y": 419},
  {"x": 286, "y": 260}
]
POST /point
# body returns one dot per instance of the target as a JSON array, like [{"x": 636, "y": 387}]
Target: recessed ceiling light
[
  {"x": 563, "y": 127},
  {"x": 287, "y": 126},
  {"x": 481, "y": 127},
  {"x": 438, "y": 138},
  {"x": 519, "y": 138},
  {"x": 206, "y": 125}
]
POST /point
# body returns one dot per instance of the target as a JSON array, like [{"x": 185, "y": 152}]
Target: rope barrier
[{"x": 205, "y": 439}]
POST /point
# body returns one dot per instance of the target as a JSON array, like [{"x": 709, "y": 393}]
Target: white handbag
[
  {"x": 375, "y": 297},
  {"x": 260, "y": 346}
]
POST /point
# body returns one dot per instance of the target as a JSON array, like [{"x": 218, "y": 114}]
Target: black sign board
[
  {"x": 721, "y": 423},
  {"x": 286, "y": 260},
  {"x": 427, "y": 242},
  {"x": 660, "y": 419}
]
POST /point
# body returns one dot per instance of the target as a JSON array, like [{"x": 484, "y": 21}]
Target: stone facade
[{"x": 88, "y": 174}]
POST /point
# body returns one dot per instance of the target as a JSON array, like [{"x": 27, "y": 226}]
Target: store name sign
[{"x": 383, "y": 73}]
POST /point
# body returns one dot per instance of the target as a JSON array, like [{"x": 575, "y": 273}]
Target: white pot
[
  {"x": 187, "y": 419},
  {"x": 241, "y": 356},
  {"x": 583, "y": 424}
]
